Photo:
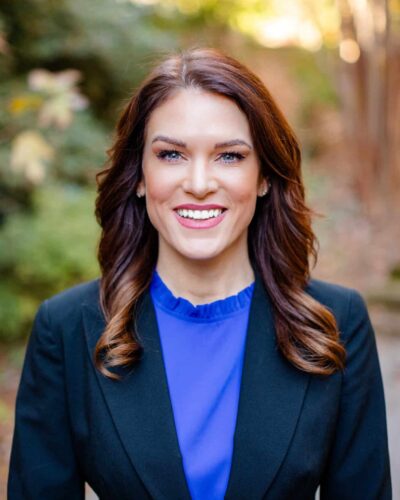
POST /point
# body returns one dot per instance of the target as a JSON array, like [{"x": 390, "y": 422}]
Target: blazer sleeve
[
  {"x": 43, "y": 465},
  {"x": 358, "y": 466}
]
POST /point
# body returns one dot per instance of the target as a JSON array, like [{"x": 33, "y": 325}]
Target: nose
[{"x": 200, "y": 179}]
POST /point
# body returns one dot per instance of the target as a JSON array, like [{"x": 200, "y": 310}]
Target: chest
[{"x": 126, "y": 440}]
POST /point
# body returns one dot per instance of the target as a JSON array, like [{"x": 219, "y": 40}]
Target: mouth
[
  {"x": 200, "y": 217},
  {"x": 199, "y": 214}
]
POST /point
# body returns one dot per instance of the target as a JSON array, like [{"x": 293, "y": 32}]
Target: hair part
[{"x": 281, "y": 241}]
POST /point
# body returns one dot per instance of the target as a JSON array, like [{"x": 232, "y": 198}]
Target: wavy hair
[{"x": 280, "y": 239}]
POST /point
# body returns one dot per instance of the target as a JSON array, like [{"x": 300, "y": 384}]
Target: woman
[{"x": 205, "y": 363}]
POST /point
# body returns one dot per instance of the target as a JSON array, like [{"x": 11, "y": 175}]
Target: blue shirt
[{"x": 203, "y": 350}]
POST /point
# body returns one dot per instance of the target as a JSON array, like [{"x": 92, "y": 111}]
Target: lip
[
  {"x": 200, "y": 223},
  {"x": 193, "y": 206}
]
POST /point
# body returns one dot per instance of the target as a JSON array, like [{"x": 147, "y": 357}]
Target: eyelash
[
  {"x": 165, "y": 155},
  {"x": 237, "y": 156}
]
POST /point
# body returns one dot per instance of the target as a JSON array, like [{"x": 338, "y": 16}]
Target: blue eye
[
  {"x": 169, "y": 155},
  {"x": 231, "y": 157}
]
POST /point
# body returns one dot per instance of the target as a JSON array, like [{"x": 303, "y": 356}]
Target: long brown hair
[{"x": 281, "y": 241}]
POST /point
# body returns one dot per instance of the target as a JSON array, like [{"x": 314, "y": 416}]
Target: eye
[
  {"x": 169, "y": 155},
  {"x": 231, "y": 157}
]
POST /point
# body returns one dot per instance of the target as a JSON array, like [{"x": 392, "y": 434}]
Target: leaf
[{"x": 29, "y": 154}]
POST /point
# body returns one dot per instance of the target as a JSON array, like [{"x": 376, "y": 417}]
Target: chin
[{"x": 199, "y": 253}]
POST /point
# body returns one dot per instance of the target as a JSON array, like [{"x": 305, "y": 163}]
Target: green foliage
[
  {"x": 37, "y": 30},
  {"x": 45, "y": 252},
  {"x": 80, "y": 149},
  {"x": 72, "y": 153},
  {"x": 107, "y": 40}
]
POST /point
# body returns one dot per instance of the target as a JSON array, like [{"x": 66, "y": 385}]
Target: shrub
[{"x": 44, "y": 252}]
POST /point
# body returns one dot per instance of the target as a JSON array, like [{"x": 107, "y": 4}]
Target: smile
[
  {"x": 200, "y": 219},
  {"x": 199, "y": 214}
]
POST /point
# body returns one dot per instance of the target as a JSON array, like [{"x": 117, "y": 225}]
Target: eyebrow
[
  {"x": 169, "y": 140},
  {"x": 234, "y": 142},
  {"x": 177, "y": 142}
]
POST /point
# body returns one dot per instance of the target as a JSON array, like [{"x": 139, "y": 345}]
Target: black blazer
[{"x": 294, "y": 431}]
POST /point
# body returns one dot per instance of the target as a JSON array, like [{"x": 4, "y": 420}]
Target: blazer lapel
[
  {"x": 271, "y": 396},
  {"x": 141, "y": 408}
]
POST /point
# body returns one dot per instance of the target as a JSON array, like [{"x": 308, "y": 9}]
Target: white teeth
[{"x": 199, "y": 214}]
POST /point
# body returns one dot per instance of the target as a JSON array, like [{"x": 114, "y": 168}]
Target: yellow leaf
[{"x": 23, "y": 103}]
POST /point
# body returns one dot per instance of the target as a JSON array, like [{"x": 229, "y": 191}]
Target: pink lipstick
[{"x": 186, "y": 219}]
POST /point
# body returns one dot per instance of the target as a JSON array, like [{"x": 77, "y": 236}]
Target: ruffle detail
[{"x": 178, "y": 306}]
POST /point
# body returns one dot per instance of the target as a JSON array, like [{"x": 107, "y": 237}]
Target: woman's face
[{"x": 200, "y": 176}]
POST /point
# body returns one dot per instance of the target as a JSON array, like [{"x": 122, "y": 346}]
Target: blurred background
[{"x": 66, "y": 69}]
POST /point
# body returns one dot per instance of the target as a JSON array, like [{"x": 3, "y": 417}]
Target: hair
[{"x": 280, "y": 239}]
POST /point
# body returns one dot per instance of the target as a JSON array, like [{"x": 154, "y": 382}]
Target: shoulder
[
  {"x": 328, "y": 291},
  {"x": 83, "y": 293},
  {"x": 347, "y": 304},
  {"x": 65, "y": 307},
  {"x": 59, "y": 319}
]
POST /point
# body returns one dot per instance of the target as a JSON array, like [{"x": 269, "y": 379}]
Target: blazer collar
[{"x": 271, "y": 396}]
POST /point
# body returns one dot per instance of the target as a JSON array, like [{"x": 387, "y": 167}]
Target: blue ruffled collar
[{"x": 181, "y": 307}]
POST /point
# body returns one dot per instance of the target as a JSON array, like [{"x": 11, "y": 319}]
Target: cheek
[
  {"x": 159, "y": 187},
  {"x": 244, "y": 198},
  {"x": 159, "y": 196},
  {"x": 244, "y": 191}
]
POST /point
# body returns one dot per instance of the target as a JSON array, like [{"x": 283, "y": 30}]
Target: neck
[{"x": 204, "y": 281}]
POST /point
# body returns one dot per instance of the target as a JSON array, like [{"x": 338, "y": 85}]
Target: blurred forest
[{"x": 68, "y": 66}]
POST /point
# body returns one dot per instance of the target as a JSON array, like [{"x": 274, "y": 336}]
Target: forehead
[{"x": 194, "y": 113}]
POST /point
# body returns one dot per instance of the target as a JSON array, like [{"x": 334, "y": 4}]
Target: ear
[
  {"x": 141, "y": 189},
  {"x": 263, "y": 187}
]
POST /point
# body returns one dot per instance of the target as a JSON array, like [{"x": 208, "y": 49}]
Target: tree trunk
[{"x": 370, "y": 90}]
